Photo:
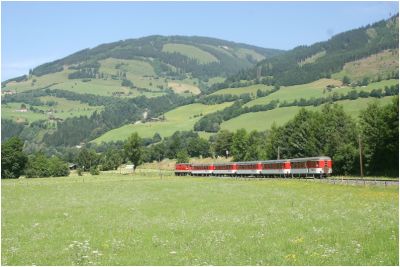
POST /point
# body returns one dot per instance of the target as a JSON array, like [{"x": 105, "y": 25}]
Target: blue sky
[{"x": 33, "y": 33}]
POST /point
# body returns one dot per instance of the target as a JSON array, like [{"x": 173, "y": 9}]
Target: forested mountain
[
  {"x": 200, "y": 56},
  {"x": 305, "y": 64}
]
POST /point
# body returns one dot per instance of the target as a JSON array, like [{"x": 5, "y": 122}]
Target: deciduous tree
[
  {"x": 13, "y": 159},
  {"x": 133, "y": 149}
]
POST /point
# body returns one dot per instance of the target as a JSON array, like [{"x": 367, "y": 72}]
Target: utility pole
[{"x": 361, "y": 162}]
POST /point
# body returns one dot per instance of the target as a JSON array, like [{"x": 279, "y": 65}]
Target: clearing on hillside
[
  {"x": 379, "y": 65},
  {"x": 252, "y": 89},
  {"x": 184, "y": 88},
  {"x": 190, "y": 51}
]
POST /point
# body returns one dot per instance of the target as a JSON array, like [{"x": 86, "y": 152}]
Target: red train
[{"x": 299, "y": 167}]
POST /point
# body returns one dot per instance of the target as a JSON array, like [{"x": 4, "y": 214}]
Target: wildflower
[
  {"x": 172, "y": 252},
  {"x": 298, "y": 240},
  {"x": 291, "y": 257}
]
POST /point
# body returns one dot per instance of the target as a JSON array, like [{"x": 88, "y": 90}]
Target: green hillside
[
  {"x": 379, "y": 65},
  {"x": 60, "y": 108},
  {"x": 305, "y": 64},
  {"x": 150, "y": 66},
  {"x": 252, "y": 89},
  {"x": 173, "y": 57},
  {"x": 180, "y": 119},
  {"x": 316, "y": 89},
  {"x": 262, "y": 121},
  {"x": 190, "y": 51}
]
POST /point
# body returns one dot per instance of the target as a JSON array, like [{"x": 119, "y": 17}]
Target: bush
[
  {"x": 94, "y": 171},
  {"x": 13, "y": 159},
  {"x": 41, "y": 166},
  {"x": 182, "y": 157},
  {"x": 79, "y": 171}
]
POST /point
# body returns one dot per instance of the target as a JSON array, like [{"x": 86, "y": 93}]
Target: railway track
[
  {"x": 359, "y": 181},
  {"x": 349, "y": 181}
]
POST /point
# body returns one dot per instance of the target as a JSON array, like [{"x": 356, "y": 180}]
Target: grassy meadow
[
  {"x": 316, "y": 89},
  {"x": 141, "y": 219},
  {"x": 36, "y": 82},
  {"x": 179, "y": 119},
  {"x": 190, "y": 51},
  {"x": 263, "y": 120},
  {"x": 181, "y": 87},
  {"x": 252, "y": 89},
  {"x": 63, "y": 109}
]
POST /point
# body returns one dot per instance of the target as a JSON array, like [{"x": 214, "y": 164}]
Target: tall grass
[{"x": 116, "y": 219}]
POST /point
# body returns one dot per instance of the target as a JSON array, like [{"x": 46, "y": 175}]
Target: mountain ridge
[
  {"x": 329, "y": 56},
  {"x": 140, "y": 44}
]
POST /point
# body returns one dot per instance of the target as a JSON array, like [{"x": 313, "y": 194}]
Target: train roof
[
  {"x": 264, "y": 161},
  {"x": 275, "y": 161},
  {"x": 311, "y": 158}
]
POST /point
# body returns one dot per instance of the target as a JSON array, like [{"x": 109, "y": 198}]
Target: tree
[
  {"x": 346, "y": 80},
  {"x": 256, "y": 149},
  {"x": 39, "y": 165},
  {"x": 87, "y": 158},
  {"x": 223, "y": 142},
  {"x": 111, "y": 160},
  {"x": 365, "y": 81},
  {"x": 197, "y": 147},
  {"x": 156, "y": 138},
  {"x": 13, "y": 159},
  {"x": 275, "y": 140},
  {"x": 346, "y": 159},
  {"x": 380, "y": 135},
  {"x": 240, "y": 145},
  {"x": 58, "y": 167},
  {"x": 182, "y": 157},
  {"x": 133, "y": 149},
  {"x": 330, "y": 132},
  {"x": 339, "y": 135},
  {"x": 127, "y": 83}
]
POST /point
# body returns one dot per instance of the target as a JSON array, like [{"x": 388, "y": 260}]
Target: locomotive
[{"x": 298, "y": 167}]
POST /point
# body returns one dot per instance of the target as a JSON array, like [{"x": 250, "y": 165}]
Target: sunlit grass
[
  {"x": 263, "y": 120},
  {"x": 148, "y": 220},
  {"x": 190, "y": 51},
  {"x": 317, "y": 89},
  {"x": 182, "y": 118}
]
